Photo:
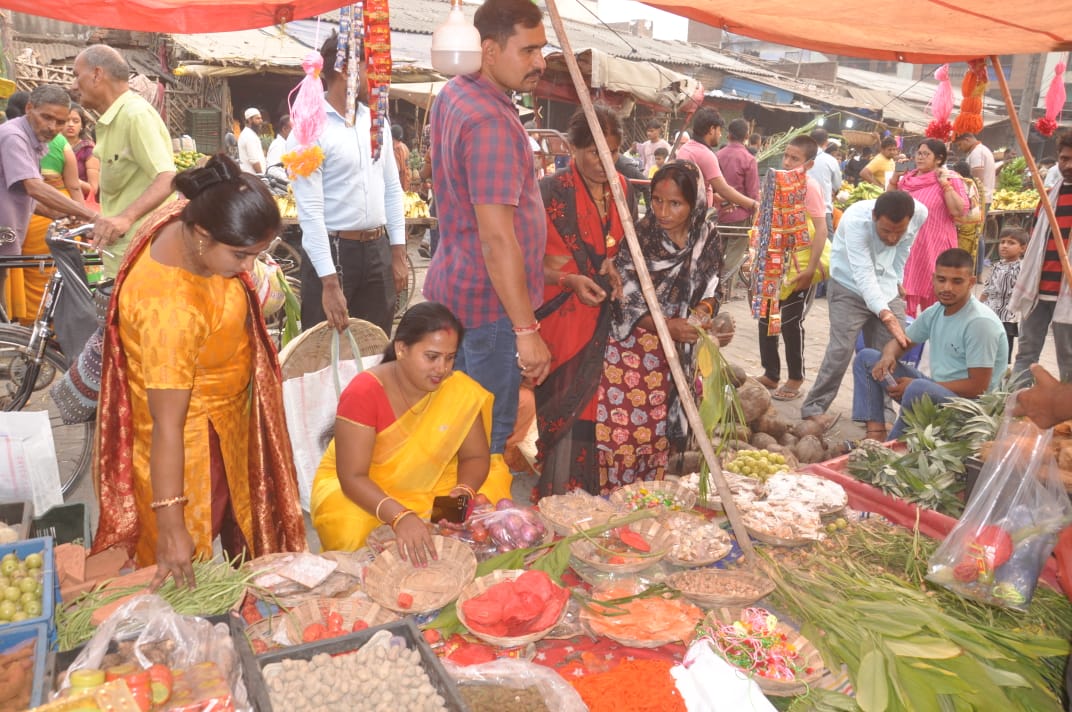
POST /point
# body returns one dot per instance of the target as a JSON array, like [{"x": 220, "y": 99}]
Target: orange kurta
[{"x": 192, "y": 335}]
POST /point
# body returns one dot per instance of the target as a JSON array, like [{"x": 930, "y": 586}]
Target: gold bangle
[
  {"x": 400, "y": 515},
  {"x": 378, "y": 504},
  {"x": 467, "y": 489},
  {"x": 162, "y": 503}
]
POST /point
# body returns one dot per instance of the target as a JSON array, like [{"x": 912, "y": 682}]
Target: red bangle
[{"x": 530, "y": 329}]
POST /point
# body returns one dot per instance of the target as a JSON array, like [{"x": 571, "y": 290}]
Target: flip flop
[{"x": 785, "y": 393}]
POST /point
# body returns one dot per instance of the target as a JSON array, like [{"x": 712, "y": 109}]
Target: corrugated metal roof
[{"x": 49, "y": 52}]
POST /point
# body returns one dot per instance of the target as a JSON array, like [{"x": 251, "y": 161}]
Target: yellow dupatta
[{"x": 414, "y": 460}]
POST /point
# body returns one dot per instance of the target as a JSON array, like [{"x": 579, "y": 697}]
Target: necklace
[
  {"x": 603, "y": 210},
  {"x": 402, "y": 392}
]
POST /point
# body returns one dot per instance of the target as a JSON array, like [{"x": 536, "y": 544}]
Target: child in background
[
  {"x": 660, "y": 155},
  {"x": 1011, "y": 245}
]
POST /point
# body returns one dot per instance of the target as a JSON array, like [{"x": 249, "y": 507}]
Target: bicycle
[{"x": 31, "y": 359}]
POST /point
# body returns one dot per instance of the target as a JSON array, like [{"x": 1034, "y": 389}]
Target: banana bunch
[
  {"x": 1005, "y": 199},
  {"x": 287, "y": 207},
  {"x": 187, "y": 159},
  {"x": 414, "y": 207}
]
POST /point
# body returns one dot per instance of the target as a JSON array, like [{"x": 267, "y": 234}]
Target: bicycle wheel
[
  {"x": 286, "y": 255},
  {"x": 403, "y": 298},
  {"x": 74, "y": 443}
]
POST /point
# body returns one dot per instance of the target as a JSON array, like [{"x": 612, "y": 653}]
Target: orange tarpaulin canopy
[{"x": 917, "y": 31}]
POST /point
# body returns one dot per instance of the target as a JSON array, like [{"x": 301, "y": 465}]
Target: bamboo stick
[
  {"x": 1044, "y": 198},
  {"x": 684, "y": 387}
]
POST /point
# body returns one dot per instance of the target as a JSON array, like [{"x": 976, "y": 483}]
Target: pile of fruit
[
  {"x": 848, "y": 193},
  {"x": 759, "y": 464},
  {"x": 21, "y": 589},
  {"x": 287, "y": 207},
  {"x": 187, "y": 159},
  {"x": 414, "y": 206},
  {"x": 1005, "y": 199}
]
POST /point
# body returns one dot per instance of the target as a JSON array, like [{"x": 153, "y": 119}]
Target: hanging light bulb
[
  {"x": 821, "y": 121},
  {"x": 456, "y": 44},
  {"x": 849, "y": 123}
]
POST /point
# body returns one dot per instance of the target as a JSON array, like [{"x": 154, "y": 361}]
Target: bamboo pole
[
  {"x": 1044, "y": 198},
  {"x": 684, "y": 387}
]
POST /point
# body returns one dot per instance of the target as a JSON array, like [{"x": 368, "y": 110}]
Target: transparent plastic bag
[
  {"x": 558, "y": 695},
  {"x": 1009, "y": 527},
  {"x": 147, "y": 630},
  {"x": 510, "y": 528}
]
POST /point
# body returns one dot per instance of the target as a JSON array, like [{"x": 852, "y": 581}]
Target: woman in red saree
[
  {"x": 192, "y": 442},
  {"x": 584, "y": 232}
]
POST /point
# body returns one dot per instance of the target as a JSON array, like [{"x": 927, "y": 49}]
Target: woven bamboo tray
[
  {"x": 604, "y": 625},
  {"x": 690, "y": 526},
  {"x": 715, "y": 588},
  {"x": 810, "y": 659},
  {"x": 652, "y": 531},
  {"x": 481, "y": 585},
  {"x": 684, "y": 498},
  {"x": 575, "y": 510},
  {"x": 351, "y": 610},
  {"x": 777, "y": 541},
  {"x": 432, "y": 586}
]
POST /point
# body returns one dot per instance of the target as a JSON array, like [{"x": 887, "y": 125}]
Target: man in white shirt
[
  {"x": 276, "y": 149},
  {"x": 981, "y": 161},
  {"x": 250, "y": 150},
  {"x": 867, "y": 260},
  {"x": 351, "y": 215},
  {"x": 827, "y": 174}
]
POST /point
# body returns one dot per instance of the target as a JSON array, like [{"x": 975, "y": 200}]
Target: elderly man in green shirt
[{"x": 133, "y": 145}]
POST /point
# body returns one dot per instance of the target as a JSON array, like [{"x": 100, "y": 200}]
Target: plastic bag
[
  {"x": 558, "y": 695},
  {"x": 995, "y": 552},
  {"x": 147, "y": 630}
]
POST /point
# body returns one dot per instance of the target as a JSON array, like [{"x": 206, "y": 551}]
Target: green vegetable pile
[
  {"x": 909, "y": 646},
  {"x": 1011, "y": 175}
]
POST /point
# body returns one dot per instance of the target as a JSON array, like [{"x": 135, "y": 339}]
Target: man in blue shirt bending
[{"x": 867, "y": 263}]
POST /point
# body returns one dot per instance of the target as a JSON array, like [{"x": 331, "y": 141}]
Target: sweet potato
[
  {"x": 763, "y": 441},
  {"x": 810, "y": 449},
  {"x": 771, "y": 423},
  {"x": 755, "y": 399},
  {"x": 737, "y": 375},
  {"x": 787, "y": 439},
  {"x": 807, "y": 427}
]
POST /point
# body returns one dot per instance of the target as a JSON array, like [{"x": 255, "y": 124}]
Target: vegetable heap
[
  {"x": 644, "y": 498},
  {"x": 500, "y": 527},
  {"x": 754, "y": 644}
]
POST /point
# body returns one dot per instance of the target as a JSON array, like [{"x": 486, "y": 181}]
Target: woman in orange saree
[
  {"x": 407, "y": 431},
  {"x": 192, "y": 442}
]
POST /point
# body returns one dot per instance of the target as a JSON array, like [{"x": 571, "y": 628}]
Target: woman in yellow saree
[{"x": 406, "y": 431}]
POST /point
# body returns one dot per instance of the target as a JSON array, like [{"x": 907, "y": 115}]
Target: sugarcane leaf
[
  {"x": 1005, "y": 678},
  {"x": 912, "y": 691},
  {"x": 892, "y": 627},
  {"x": 555, "y": 562},
  {"x": 926, "y": 647},
  {"x": 872, "y": 688}
]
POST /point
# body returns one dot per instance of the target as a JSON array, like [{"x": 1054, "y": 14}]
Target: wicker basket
[
  {"x": 714, "y": 588},
  {"x": 654, "y": 533},
  {"x": 481, "y": 585},
  {"x": 776, "y": 541},
  {"x": 860, "y": 139},
  {"x": 311, "y": 351},
  {"x": 603, "y": 625},
  {"x": 683, "y": 497},
  {"x": 351, "y": 609},
  {"x": 717, "y": 547},
  {"x": 568, "y": 512},
  {"x": 810, "y": 658},
  {"x": 432, "y": 586}
]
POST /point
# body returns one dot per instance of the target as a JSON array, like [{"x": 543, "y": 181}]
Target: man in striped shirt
[{"x": 1042, "y": 293}]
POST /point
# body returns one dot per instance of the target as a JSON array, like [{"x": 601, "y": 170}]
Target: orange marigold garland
[{"x": 970, "y": 119}]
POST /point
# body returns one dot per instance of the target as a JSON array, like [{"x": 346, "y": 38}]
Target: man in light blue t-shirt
[{"x": 968, "y": 351}]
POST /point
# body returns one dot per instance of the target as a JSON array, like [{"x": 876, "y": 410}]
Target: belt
[{"x": 359, "y": 235}]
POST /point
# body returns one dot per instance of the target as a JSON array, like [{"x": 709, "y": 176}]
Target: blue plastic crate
[
  {"x": 49, "y": 583},
  {"x": 12, "y": 637}
]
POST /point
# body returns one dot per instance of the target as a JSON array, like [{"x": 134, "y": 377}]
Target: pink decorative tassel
[
  {"x": 308, "y": 117},
  {"x": 941, "y": 106},
  {"x": 1055, "y": 102}
]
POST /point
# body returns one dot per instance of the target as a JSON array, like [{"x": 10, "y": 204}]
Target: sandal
[
  {"x": 785, "y": 392},
  {"x": 767, "y": 383}
]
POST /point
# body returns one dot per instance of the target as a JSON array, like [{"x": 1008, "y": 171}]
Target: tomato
[
  {"x": 359, "y": 625},
  {"x": 334, "y": 623},
  {"x": 314, "y": 632},
  {"x": 405, "y": 600}
]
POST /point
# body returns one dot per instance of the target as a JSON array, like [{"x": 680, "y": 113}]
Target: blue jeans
[
  {"x": 488, "y": 355},
  {"x": 868, "y": 394}
]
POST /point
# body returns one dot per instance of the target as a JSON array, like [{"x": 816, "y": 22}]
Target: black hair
[
  {"x": 328, "y": 52},
  {"x": 397, "y": 132},
  {"x": 1064, "y": 140},
  {"x": 1047, "y": 161},
  {"x": 234, "y": 207},
  {"x": 956, "y": 258},
  {"x": 888, "y": 141},
  {"x": 86, "y": 123},
  {"x": 49, "y": 95},
  {"x": 703, "y": 121},
  {"x": 806, "y": 144},
  {"x": 755, "y": 139},
  {"x": 894, "y": 205},
  {"x": 678, "y": 173},
  {"x": 962, "y": 168},
  {"x": 579, "y": 132},
  {"x": 965, "y": 136},
  {"x": 936, "y": 147},
  {"x": 820, "y": 135},
  {"x": 419, "y": 321},
  {"x": 654, "y": 124},
  {"x": 284, "y": 122},
  {"x": 661, "y": 151},
  {"x": 738, "y": 130},
  {"x": 496, "y": 19},
  {"x": 16, "y": 104},
  {"x": 1017, "y": 233}
]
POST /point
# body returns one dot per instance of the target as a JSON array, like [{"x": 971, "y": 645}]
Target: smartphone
[
  {"x": 453, "y": 509},
  {"x": 905, "y": 166}
]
